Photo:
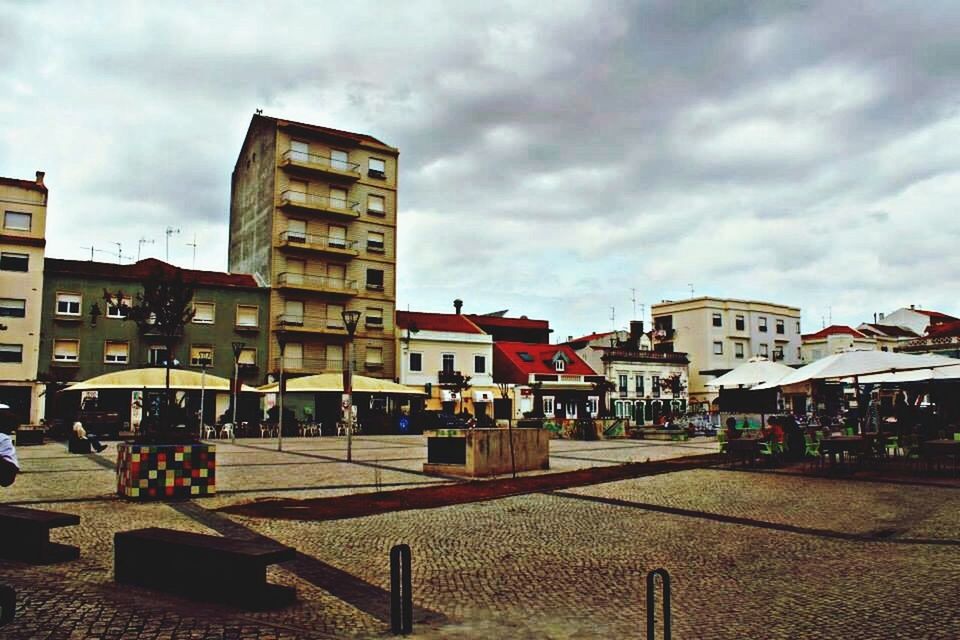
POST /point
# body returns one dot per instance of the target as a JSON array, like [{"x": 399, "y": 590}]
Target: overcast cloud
[{"x": 551, "y": 160}]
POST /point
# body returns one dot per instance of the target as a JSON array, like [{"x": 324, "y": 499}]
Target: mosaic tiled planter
[{"x": 166, "y": 471}]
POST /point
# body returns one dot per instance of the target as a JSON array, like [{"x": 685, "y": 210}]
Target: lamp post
[
  {"x": 237, "y": 350},
  {"x": 350, "y": 319},
  {"x": 282, "y": 341},
  {"x": 204, "y": 363}
]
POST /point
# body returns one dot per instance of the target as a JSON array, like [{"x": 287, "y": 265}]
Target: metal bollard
[
  {"x": 401, "y": 596},
  {"x": 8, "y": 604},
  {"x": 651, "y": 610}
]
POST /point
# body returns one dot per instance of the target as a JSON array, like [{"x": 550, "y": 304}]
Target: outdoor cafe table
[
  {"x": 835, "y": 447},
  {"x": 933, "y": 450},
  {"x": 744, "y": 448}
]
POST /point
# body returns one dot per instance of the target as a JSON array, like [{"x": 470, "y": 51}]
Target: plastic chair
[
  {"x": 226, "y": 431},
  {"x": 209, "y": 432},
  {"x": 722, "y": 441},
  {"x": 266, "y": 430},
  {"x": 892, "y": 445},
  {"x": 956, "y": 436}
]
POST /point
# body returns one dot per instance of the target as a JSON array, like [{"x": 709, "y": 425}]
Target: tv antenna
[
  {"x": 194, "y": 245},
  {"x": 119, "y": 252},
  {"x": 91, "y": 251},
  {"x": 170, "y": 231},
  {"x": 140, "y": 243},
  {"x": 633, "y": 293},
  {"x": 690, "y": 284},
  {"x": 613, "y": 318}
]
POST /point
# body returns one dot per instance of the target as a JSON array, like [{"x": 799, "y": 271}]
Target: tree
[
  {"x": 162, "y": 309},
  {"x": 458, "y": 383},
  {"x": 602, "y": 388}
]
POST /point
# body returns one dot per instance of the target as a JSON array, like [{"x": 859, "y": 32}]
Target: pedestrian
[
  {"x": 9, "y": 465},
  {"x": 81, "y": 434}
]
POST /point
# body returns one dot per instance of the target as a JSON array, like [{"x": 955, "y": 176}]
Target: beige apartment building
[
  {"x": 22, "y": 241},
  {"x": 720, "y": 334},
  {"x": 313, "y": 215}
]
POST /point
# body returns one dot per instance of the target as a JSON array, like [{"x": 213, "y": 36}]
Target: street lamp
[
  {"x": 350, "y": 319},
  {"x": 282, "y": 341},
  {"x": 237, "y": 350},
  {"x": 204, "y": 363}
]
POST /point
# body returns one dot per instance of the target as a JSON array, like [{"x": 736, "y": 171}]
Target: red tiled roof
[
  {"x": 500, "y": 321},
  {"x": 541, "y": 358},
  {"x": 936, "y": 316},
  {"x": 23, "y": 184},
  {"x": 144, "y": 269},
  {"x": 591, "y": 337},
  {"x": 833, "y": 330},
  {"x": 889, "y": 330},
  {"x": 944, "y": 330},
  {"x": 436, "y": 322}
]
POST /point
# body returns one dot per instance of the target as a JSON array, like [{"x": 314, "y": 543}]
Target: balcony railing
[
  {"x": 306, "y": 365},
  {"x": 316, "y": 283},
  {"x": 312, "y": 201},
  {"x": 643, "y": 355},
  {"x": 323, "y": 164},
  {"x": 312, "y": 323},
  {"x": 445, "y": 376},
  {"x": 307, "y": 241}
]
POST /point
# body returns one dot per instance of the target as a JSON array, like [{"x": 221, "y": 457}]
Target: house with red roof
[
  {"x": 914, "y": 318},
  {"x": 548, "y": 380},
  {"x": 941, "y": 339},
  {"x": 833, "y": 339},
  {"x": 450, "y": 358}
]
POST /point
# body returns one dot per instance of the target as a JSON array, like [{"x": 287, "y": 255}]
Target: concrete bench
[
  {"x": 201, "y": 566},
  {"x": 26, "y": 535},
  {"x": 78, "y": 445},
  {"x": 29, "y": 436}
]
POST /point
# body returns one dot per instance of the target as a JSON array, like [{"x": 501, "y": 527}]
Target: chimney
[
  {"x": 911, "y": 307},
  {"x": 636, "y": 331},
  {"x": 569, "y": 338},
  {"x": 457, "y": 305},
  {"x": 874, "y": 318},
  {"x": 40, "y": 175}
]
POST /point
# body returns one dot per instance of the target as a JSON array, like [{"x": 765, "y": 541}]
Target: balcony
[
  {"x": 311, "y": 202},
  {"x": 643, "y": 355},
  {"x": 293, "y": 364},
  {"x": 296, "y": 241},
  {"x": 317, "y": 165},
  {"x": 320, "y": 284},
  {"x": 298, "y": 323},
  {"x": 445, "y": 376}
]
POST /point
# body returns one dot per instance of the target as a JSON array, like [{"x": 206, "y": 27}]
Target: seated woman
[
  {"x": 81, "y": 434},
  {"x": 732, "y": 432},
  {"x": 773, "y": 432}
]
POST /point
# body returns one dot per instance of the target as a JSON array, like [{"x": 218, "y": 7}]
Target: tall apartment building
[
  {"x": 313, "y": 213},
  {"x": 22, "y": 242},
  {"x": 720, "y": 334}
]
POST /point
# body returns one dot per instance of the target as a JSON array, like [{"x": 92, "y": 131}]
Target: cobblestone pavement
[{"x": 752, "y": 555}]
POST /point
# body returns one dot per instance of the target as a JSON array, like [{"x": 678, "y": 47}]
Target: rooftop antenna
[
  {"x": 91, "y": 252},
  {"x": 690, "y": 284},
  {"x": 140, "y": 243},
  {"x": 633, "y": 293},
  {"x": 170, "y": 231},
  {"x": 613, "y": 318},
  {"x": 194, "y": 245},
  {"x": 830, "y": 314},
  {"x": 119, "y": 252}
]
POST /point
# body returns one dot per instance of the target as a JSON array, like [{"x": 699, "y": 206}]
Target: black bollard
[
  {"x": 651, "y": 608},
  {"x": 401, "y": 596},
  {"x": 8, "y": 604}
]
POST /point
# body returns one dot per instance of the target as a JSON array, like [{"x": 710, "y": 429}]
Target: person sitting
[
  {"x": 81, "y": 434},
  {"x": 773, "y": 432},
  {"x": 732, "y": 432}
]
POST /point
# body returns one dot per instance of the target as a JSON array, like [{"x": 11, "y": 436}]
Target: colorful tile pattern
[{"x": 151, "y": 472}]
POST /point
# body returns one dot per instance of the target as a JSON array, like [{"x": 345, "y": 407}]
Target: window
[
  {"x": 374, "y": 317},
  {"x": 449, "y": 362},
  {"x": 639, "y": 383},
  {"x": 781, "y": 327},
  {"x": 479, "y": 364},
  {"x": 248, "y": 316},
  {"x": 778, "y": 353},
  {"x": 548, "y": 406},
  {"x": 335, "y": 316},
  {"x": 68, "y": 304},
  {"x": 738, "y": 350},
  {"x": 338, "y": 159},
  {"x": 66, "y": 350},
  {"x": 338, "y": 237},
  {"x": 296, "y": 191},
  {"x": 622, "y": 384},
  {"x": 121, "y": 310},
  {"x": 377, "y": 168},
  {"x": 560, "y": 364},
  {"x": 14, "y": 261},
  {"x": 717, "y": 320},
  {"x": 762, "y": 324},
  {"x": 11, "y": 353},
  {"x": 416, "y": 362},
  {"x": 248, "y": 357},
  {"x": 374, "y": 356},
  {"x": 13, "y": 307},
  {"x": 116, "y": 352},
  {"x": 203, "y": 312},
  {"x": 16, "y": 221},
  {"x": 655, "y": 386},
  {"x": 296, "y": 230},
  {"x": 741, "y": 323},
  {"x": 156, "y": 355},
  {"x": 201, "y": 355},
  {"x": 375, "y": 279},
  {"x": 334, "y": 356},
  {"x": 593, "y": 405},
  {"x": 718, "y": 348},
  {"x": 299, "y": 151},
  {"x": 292, "y": 313},
  {"x": 764, "y": 350},
  {"x": 338, "y": 198},
  {"x": 293, "y": 355},
  {"x": 375, "y": 241},
  {"x": 376, "y": 205},
  {"x": 526, "y": 357}
]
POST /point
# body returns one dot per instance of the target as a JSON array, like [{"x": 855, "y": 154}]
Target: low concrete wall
[{"x": 486, "y": 452}]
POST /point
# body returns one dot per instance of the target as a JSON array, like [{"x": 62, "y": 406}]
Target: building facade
[
  {"x": 83, "y": 336},
  {"x": 836, "y": 338},
  {"x": 916, "y": 319},
  {"x": 719, "y": 334},
  {"x": 22, "y": 240},
  {"x": 313, "y": 214}
]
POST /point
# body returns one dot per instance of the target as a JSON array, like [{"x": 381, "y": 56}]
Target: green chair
[
  {"x": 956, "y": 436},
  {"x": 811, "y": 448},
  {"x": 722, "y": 441},
  {"x": 848, "y": 431},
  {"x": 892, "y": 445}
]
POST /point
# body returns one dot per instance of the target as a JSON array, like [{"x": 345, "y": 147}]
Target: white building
[{"x": 917, "y": 320}]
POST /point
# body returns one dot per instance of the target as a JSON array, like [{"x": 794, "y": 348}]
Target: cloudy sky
[{"x": 552, "y": 160}]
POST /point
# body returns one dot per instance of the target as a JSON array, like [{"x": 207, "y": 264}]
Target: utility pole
[
  {"x": 142, "y": 241},
  {"x": 91, "y": 252},
  {"x": 194, "y": 245},
  {"x": 170, "y": 231}
]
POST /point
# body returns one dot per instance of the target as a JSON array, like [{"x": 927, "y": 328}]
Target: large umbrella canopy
[
  {"x": 324, "y": 382},
  {"x": 917, "y": 375},
  {"x": 751, "y": 373},
  {"x": 860, "y": 363},
  {"x": 155, "y": 378}
]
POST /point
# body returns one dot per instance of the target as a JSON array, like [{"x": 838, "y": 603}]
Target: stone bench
[
  {"x": 201, "y": 566},
  {"x": 26, "y": 535},
  {"x": 78, "y": 445}
]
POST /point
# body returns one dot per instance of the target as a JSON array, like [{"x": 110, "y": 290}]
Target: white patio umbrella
[
  {"x": 852, "y": 364},
  {"x": 951, "y": 372},
  {"x": 4, "y": 406},
  {"x": 753, "y": 372},
  {"x": 327, "y": 382},
  {"x": 155, "y": 378}
]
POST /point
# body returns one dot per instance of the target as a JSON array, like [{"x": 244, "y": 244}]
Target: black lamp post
[
  {"x": 282, "y": 341},
  {"x": 237, "y": 350},
  {"x": 350, "y": 319}
]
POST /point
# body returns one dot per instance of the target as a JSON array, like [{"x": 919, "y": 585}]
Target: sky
[{"x": 575, "y": 164}]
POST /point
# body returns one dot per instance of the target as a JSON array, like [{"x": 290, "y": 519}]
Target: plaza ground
[{"x": 753, "y": 554}]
